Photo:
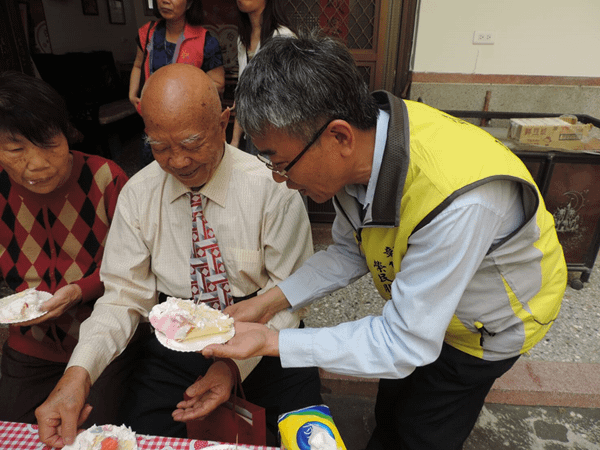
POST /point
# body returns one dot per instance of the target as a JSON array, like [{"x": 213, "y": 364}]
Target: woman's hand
[
  {"x": 217, "y": 75},
  {"x": 236, "y": 135},
  {"x": 134, "y": 79},
  {"x": 62, "y": 300},
  {"x": 135, "y": 101}
]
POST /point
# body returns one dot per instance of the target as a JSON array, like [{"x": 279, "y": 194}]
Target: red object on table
[
  {"x": 109, "y": 443},
  {"x": 21, "y": 436}
]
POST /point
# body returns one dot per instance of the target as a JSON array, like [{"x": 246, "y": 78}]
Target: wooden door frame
[
  {"x": 397, "y": 28},
  {"x": 375, "y": 57},
  {"x": 389, "y": 61},
  {"x": 393, "y": 37},
  {"x": 405, "y": 47}
]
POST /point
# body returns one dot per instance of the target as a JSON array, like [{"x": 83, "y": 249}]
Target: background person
[
  {"x": 258, "y": 21},
  {"x": 56, "y": 206},
  {"x": 447, "y": 220},
  {"x": 263, "y": 234},
  {"x": 176, "y": 37}
]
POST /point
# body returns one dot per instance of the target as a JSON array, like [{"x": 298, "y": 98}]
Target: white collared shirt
[{"x": 262, "y": 229}]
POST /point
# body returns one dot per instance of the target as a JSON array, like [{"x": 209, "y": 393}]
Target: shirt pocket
[{"x": 245, "y": 270}]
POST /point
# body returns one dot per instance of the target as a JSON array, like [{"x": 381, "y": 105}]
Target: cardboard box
[{"x": 549, "y": 132}]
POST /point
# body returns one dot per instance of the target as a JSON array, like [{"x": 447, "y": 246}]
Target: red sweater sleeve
[{"x": 91, "y": 286}]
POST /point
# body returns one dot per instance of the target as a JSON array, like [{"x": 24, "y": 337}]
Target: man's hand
[
  {"x": 64, "y": 410},
  {"x": 251, "y": 339},
  {"x": 206, "y": 393},
  {"x": 58, "y": 304},
  {"x": 259, "y": 309}
]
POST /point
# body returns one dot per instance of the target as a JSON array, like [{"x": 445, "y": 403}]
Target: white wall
[
  {"x": 532, "y": 37},
  {"x": 71, "y": 31}
]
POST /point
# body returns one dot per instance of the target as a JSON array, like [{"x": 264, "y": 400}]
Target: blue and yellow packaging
[{"x": 310, "y": 428}]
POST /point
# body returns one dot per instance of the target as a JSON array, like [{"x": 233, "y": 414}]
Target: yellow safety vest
[{"x": 445, "y": 157}]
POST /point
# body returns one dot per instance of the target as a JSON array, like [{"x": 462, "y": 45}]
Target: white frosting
[
  {"x": 176, "y": 318},
  {"x": 91, "y": 439},
  {"x": 185, "y": 326},
  {"x": 23, "y": 306}
]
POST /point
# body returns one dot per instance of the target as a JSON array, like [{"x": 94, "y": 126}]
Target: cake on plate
[
  {"x": 105, "y": 437},
  {"x": 23, "y": 306},
  {"x": 187, "y": 325}
]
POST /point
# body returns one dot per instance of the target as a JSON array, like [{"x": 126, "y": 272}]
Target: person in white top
[
  {"x": 263, "y": 234},
  {"x": 258, "y": 21}
]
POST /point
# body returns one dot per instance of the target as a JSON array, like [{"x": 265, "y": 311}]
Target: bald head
[
  {"x": 184, "y": 123},
  {"x": 179, "y": 91}
]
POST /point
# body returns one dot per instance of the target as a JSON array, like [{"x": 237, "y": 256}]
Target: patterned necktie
[{"x": 207, "y": 271}]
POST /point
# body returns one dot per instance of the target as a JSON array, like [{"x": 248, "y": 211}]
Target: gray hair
[{"x": 295, "y": 85}]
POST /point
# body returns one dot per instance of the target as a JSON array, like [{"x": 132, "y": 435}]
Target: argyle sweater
[{"x": 50, "y": 240}]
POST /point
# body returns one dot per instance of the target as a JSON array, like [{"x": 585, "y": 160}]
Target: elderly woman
[{"x": 56, "y": 206}]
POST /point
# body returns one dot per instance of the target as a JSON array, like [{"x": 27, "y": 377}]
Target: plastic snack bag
[{"x": 310, "y": 428}]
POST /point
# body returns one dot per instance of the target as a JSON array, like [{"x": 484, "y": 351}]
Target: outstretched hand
[
  {"x": 206, "y": 394},
  {"x": 62, "y": 300},
  {"x": 251, "y": 339}
]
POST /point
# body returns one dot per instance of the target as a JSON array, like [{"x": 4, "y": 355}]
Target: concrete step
[
  {"x": 536, "y": 405},
  {"x": 545, "y": 383},
  {"x": 532, "y": 383}
]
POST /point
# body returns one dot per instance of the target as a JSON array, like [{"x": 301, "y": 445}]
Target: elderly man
[
  {"x": 197, "y": 182},
  {"x": 446, "y": 219}
]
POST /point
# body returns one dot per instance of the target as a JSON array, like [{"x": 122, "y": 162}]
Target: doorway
[{"x": 379, "y": 34}]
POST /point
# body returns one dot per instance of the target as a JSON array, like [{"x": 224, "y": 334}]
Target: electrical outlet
[{"x": 483, "y": 37}]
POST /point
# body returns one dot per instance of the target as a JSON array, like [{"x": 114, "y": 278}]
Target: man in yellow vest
[{"x": 448, "y": 221}]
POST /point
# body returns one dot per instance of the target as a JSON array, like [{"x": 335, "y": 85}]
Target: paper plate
[
  {"x": 174, "y": 306},
  {"x": 91, "y": 439},
  {"x": 11, "y": 307},
  {"x": 193, "y": 346}
]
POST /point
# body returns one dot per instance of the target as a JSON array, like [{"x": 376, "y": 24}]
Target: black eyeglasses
[{"x": 283, "y": 173}]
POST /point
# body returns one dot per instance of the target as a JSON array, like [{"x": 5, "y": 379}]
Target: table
[{"x": 21, "y": 436}]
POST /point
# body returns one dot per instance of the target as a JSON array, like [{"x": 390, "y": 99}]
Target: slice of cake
[
  {"x": 185, "y": 321},
  {"x": 23, "y": 306},
  {"x": 105, "y": 437}
]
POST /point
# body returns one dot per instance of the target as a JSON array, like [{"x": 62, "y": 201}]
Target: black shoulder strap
[
  {"x": 394, "y": 165},
  {"x": 143, "y": 74}
]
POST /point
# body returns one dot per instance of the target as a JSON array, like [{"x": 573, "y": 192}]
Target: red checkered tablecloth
[{"x": 21, "y": 436}]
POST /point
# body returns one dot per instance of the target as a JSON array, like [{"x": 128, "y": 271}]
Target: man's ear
[
  {"x": 344, "y": 136},
  {"x": 224, "y": 120}
]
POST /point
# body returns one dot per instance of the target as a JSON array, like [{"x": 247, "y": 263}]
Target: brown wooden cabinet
[{"x": 570, "y": 185}]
